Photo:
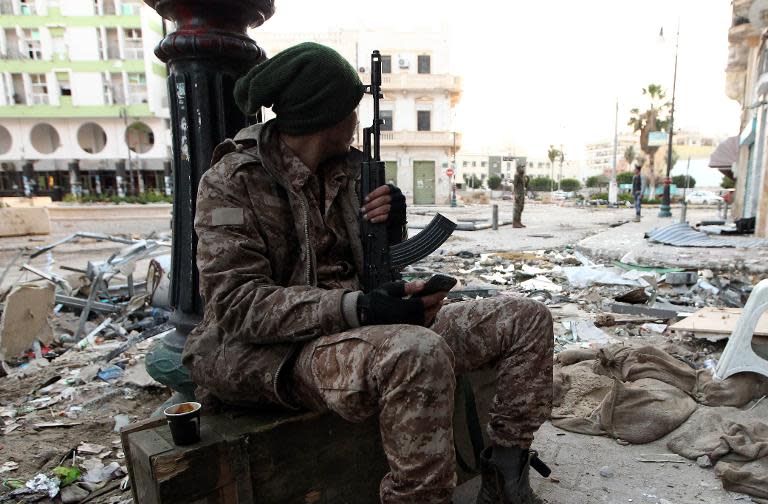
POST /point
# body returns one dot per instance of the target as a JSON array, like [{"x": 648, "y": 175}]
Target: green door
[
  {"x": 390, "y": 172},
  {"x": 423, "y": 182}
]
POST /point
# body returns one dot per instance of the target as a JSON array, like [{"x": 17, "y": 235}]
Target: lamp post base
[
  {"x": 665, "y": 211},
  {"x": 666, "y": 206}
]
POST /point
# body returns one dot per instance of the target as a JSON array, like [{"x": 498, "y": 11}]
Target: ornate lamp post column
[
  {"x": 666, "y": 203},
  {"x": 206, "y": 54}
]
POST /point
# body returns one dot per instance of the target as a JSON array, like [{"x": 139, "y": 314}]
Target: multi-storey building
[
  {"x": 747, "y": 83},
  {"x": 418, "y": 140},
  {"x": 599, "y": 155},
  {"x": 83, "y": 100},
  {"x": 484, "y": 166}
]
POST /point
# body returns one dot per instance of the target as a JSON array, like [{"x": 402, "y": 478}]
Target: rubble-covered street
[{"x": 639, "y": 328}]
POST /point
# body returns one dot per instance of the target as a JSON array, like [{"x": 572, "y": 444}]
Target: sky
[{"x": 543, "y": 72}]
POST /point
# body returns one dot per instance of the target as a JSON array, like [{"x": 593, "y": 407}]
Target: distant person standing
[
  {"x": 638, "y": 186},
  {"x": 520, "y": 183}
]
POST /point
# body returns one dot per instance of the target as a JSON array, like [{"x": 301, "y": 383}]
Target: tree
[
  {"x": 570, "y": 184},
  {"x": 540, "y": 184},
  {"x": 679, "y": 181},
  {"x": 624, "y": 177},
  {"x": 472, "y": 181},
  {"x": 552, "y": 154},
  {"x": 560, "y": 176},
  {"x": 597, "y": 181},
  {"x": 655, "y": 118},
  {"x": 727, "y": 183},
  {"x": 630, "y": 154},
  {"x": 494, "y": 182}
]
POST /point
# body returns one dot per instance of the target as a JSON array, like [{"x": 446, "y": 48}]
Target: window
[
  {"x": 474, "y": 163},
  {"x": 386, "y": 63},
  {"x": 483, "y": 164},
  {"x": 424, "y": 64},
  {"x": 32, "y": 44},
  {"x": 39, "y": 89},
  {"x": 27, "y": 7},
  {"x": 129, "y": 8},
  {"x": 423, "y": 120},
  {"x": 133, "y": 44},
  {"x": 64, "y": 87},
  {"x": 137, "y": 88},
  {"x": 465, "y": 164},
  {"x": 386, "y": 117}
]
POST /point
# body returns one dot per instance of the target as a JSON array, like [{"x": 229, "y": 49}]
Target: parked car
[
  {"x": 559, "y": 195},
  {"x": 507, "y": 195},
  {"x": 702, "y": 197}
]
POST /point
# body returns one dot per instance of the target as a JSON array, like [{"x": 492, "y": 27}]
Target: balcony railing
[
  {"x": 418, "y": 82},
  {"x": 420, "y": 138}
]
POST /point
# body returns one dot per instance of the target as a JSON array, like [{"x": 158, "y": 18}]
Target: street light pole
[
  {"x": 453, "y": 176},
  {"x": 666, "y": 206}
]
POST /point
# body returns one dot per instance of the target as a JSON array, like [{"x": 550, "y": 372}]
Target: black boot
[{"x": 504, "y": 473}]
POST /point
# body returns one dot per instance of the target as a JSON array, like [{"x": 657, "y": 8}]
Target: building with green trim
[{"x": 83, "y": 99}]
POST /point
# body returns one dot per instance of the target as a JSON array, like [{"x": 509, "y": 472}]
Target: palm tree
[
  {"x": 654, "y": 119},
  {"x": 552, "y": 154},
  {"x": 630, "y": 155},
  {"x": 562, "y": 158}
]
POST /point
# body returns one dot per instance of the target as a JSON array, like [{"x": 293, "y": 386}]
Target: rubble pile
[
  {"x": 597, "y": 304},
  {"x": 72, "y": 353}
]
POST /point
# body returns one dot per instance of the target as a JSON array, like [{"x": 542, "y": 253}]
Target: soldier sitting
[{"x": 285, "y": 321}]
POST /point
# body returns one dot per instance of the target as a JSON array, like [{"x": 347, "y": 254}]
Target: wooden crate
[{"x": 302, "y": 458}]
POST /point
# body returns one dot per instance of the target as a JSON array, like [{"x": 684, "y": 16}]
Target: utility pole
[
  {"x": 613, "y": 188},
  {"x": 666, "y": 207},
  {"x": 124, "y": 115}
]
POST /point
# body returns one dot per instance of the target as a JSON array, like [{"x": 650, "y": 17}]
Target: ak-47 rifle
[{"x": 383, "y": 262}]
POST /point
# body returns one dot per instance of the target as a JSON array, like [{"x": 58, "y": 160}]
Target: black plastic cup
[{"x": 184, "y": 421}]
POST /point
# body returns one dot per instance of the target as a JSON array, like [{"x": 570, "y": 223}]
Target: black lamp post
[
  {"x": 206, "y": 54},
  {"x": 666, "y": 206}
]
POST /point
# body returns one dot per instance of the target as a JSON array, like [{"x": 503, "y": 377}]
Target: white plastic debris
[
  {"x": 584, "y": 276},
  {"x": 121, "y": 421},
  {"x": 42, "y": 483},
  {"x": 657, "y": 328},
  {"x": 541, "y": 283}
]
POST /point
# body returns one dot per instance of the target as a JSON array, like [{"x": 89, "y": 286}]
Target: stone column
[
  {"x": 75, "y": 184},
  {"x": 207, "y": 53},
  {"x": 120, "y": 178},
  {"x": 28, "y": 179},
  {"x": 167, "y": 181}
]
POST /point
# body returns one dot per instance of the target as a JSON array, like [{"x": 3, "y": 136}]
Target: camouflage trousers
[{"x": 406, "y": 375}]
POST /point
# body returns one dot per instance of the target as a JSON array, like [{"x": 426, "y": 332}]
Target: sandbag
[
  {"x": 631, "y": 364},
  {"x": 750, "y": 478},
  {"x": 574, "y": 355},
  {"x": 644, "y": 411},
  {"x": 736, "y": 390},
  {"x": 577, "y": 390}
]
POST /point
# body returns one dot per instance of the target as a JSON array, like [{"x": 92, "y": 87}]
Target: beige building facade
[
  {"x": 418, "y": 139},
  {"x": 747, "y": 83}
]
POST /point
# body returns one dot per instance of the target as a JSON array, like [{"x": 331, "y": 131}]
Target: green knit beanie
[{"x": 309, "y": 86}]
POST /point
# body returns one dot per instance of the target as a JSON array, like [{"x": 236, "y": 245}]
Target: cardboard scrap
[
  {"x": 714, "y": 323},
  {"x": 25, "y": 318}
]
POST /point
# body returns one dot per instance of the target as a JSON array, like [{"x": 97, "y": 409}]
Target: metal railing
[
  {"x": 419, "y": 81},
  {"x": 420, "y": 138}
]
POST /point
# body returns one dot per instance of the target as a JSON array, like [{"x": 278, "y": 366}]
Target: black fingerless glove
[
  {"x": 397, "y": 216},
  {"x": 385, "y": 305}
]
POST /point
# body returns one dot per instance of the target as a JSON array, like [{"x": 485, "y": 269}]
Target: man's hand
[
  {"x": 382, "y": 202},
  {"x": 388, "y": 305},
  {"x": 432, "y": 303}
]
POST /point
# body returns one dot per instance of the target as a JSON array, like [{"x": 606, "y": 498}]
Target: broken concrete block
[
  {"x": 682, "y": 278},
  {"x": 25, "y": 318},
  {"x": 23, "y": 202},
  {"x": 24, "y": 221}
]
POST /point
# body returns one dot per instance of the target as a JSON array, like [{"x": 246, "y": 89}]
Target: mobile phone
[{"x": 438, "y": 283}]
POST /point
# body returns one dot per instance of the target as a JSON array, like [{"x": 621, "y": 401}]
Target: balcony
[
  {"x": 419, "y": 139},
  {"x": 418, "y": 82}
]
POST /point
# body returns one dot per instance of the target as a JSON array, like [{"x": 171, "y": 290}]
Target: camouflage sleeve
[{"x": 236, "y": 279}]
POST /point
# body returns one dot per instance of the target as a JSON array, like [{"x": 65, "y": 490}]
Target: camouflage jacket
[{"x": 258, "y": 275}]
